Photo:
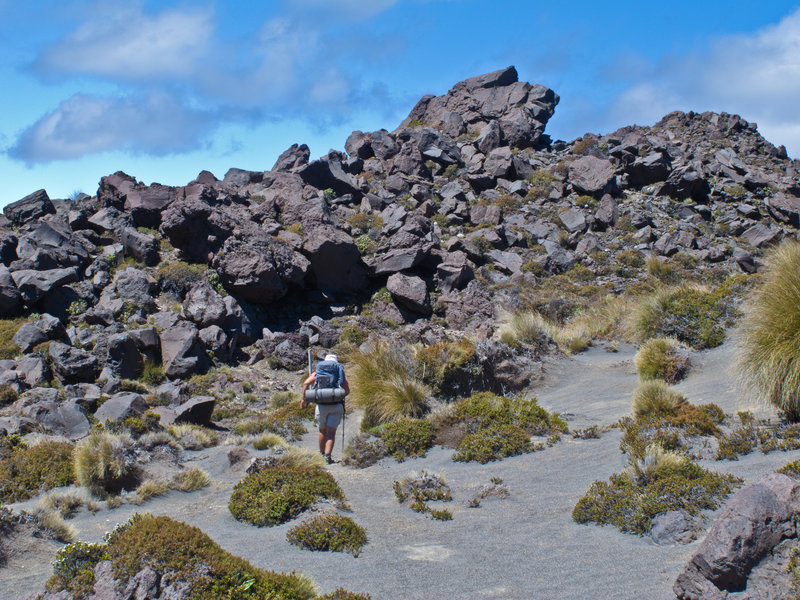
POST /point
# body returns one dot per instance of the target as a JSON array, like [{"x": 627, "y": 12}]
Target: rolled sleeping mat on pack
[{"x": 325, "y": 395}]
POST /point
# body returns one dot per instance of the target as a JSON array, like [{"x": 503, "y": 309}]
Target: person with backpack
[{"x": 329, "y": 389}]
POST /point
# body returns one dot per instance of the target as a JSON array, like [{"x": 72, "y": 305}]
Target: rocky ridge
[{"x": 425, "y": 230}]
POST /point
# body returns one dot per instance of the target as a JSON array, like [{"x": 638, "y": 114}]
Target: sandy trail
[{"x": 524, "y": 547}]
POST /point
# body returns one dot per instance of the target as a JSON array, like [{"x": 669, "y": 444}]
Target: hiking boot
[{"x": 328, "y": 459}]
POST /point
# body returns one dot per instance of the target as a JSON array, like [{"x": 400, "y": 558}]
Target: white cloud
[
  {"x": 127, "y": 44},
  {"x": 756, "y": 76},
  {"x": 83, "y": 124}
]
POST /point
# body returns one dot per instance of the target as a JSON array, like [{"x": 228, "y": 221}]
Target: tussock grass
[
  {"x": 299, "y": 458},
  {"x": 193, "y": 437},
  {"x": 660, "y": 358},
  {"x": 64, "y": 503},
  {"x": 189, "y": 480},
  {"x": 268, "y": 440},
  {"x": 385, "y": 387},
  {"x": 102, "y": 461},
  {"x": 656, "y": 462},
  {"x": 655, "y": 398},
  {"x": 769, "y": 350},
  {"x": 158, "y": 438},
  {"x": 528, "y": 327},
  {"x": 55, "y": 526},
  {"x": 151, "y": 488}
]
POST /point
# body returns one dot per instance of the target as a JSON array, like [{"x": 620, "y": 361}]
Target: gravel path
[{"x": 522, "y": 547}]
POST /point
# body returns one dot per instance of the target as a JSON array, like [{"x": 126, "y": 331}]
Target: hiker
[{"x": 329, "y": 374}]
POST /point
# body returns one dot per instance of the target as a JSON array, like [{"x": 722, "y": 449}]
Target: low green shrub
[
  {"x": 493, "y": 443},
  {"x": 791, "y": 469},
  {"x": 363, "y": 450},
  {"x": 8, "y": 329},
  {"x": 332, "y": 533},
  {"x": 178, "y": 277},
  {"x": 693, "y": 315},
  {"x": 73, "y": 569},
  {"x": 630, "y": 503},
  {"x": 8, "y": 395},
  {"x": 421, "y": 488},
  {"x": 742, "y": 440},
  {"x": 276, "y": 495},
  {"x": 289, "y": 422},
  {"x": 152, "y": 373},
  {"x": 193, "y": 558},
  {"x": 450, "y": 369},
  {"x": 660, "y": 358},
  {"x": 27, "y": 471},
  {"x": 408, "y": 438}
]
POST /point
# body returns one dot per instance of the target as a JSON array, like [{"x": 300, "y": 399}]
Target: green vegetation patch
[
  {"x": 27, "y": 471},
  {"x": 179, "y": 277},
  {"x": 420, "y": 489},
  {"x": 791, "y": 469},
  {"x": 188, "y": 555},
  {"x": 408, "y": 438},
  {"x": 450, "y": 368},
  {"x": 343, "y": 594},
  {"x": 332, "y": 533},
  {"x": 73, "y": 569},
  {"x": 493, "y": 443},
  {"x": 276, "y": 495},
  {"x": 8, "y": 329},
  {"x": 661, "y": 358},
  {"x": 630, "y": 503},
  {"x": 694, "y": 316},
  {"x": 289, "y": 422}
]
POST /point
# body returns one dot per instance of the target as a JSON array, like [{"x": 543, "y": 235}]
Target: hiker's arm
[
  {"x": 309, "y": 380},
  {"x": 346, "y": 387}
]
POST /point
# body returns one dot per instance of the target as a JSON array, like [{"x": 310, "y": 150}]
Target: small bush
[
  {"x": 661, "y": 269},
  {"x": 73, "y": 569},
  {"x": 450, "y": 369},
  {"x": 152, "y": 373},
  {"x": 193, "y": 437},
  {"x": 295, "y": 457},
  {"x": 54, "y": 526},
  {"x": 332, "y": 533},
  {"x": 103, "y": 462},
  {"x": 287, "y": 422},
  {"x": 769, "y": 353},
  {"x": 27, "y": 471},
  {"x": 177, "y": 278},
  {"x": 493, "y": 443},
  {"x": 276, "y": 495},
  {"x": 8, "y": 395},
  {"x": 194, "y": 559},
  {"x": 692, "y": 315},
  {"x": 442, "y": 515},
  {"x": 669, "y": 429},
  {"x": 363, "y": 451},
  {"x": 629, "y": 502},
  {"x": 408, "y": 438},
  {"x": 189, "y": 480},
  {"x": 791, "y": 469},
  {"x": 660, "y": 358},
  {"x": 654, "y": 398},
  {"x": 421, "y": 488},
  {"x": 282, "y": 399},
  {"x": 738, "y": 442},
  {"x": 385, "y": 387},
  {"x": 8, "y": 329}
]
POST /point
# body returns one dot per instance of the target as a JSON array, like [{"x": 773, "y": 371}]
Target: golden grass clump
[
  {"x": 384, "y": 385},
  {"x": 660, "y": 358},
  {"x": 654, "y": 398},
  {"x": 528, "y": 327},
  {"x": 189, "y": 480},
  {"x": 193, "y": 437},
  {"x": 102, "y": 461},
  {"x": 299, "y": 458},
  {"x": 150, "y": 488},
  {"x": 64, "y": 503},
  {"x": 268, "y": 440},
  {"x": 656, "y": 462},
  {"x": 769, "y": 348},
  {"x": 55, "y": 525}
]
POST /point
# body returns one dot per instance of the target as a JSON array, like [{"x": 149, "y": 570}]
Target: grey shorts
[{"x": 329, "y": 415}]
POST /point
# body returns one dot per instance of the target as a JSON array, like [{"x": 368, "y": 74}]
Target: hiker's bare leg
[
  {"x": 322, "y": 440},
  {"x": 329, "y": 433}
]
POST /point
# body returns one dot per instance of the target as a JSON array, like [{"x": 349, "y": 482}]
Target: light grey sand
[{"x": 526, "y": 546}]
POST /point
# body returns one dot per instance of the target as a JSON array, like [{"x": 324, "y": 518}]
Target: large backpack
[{"x": 328, "y": 386}]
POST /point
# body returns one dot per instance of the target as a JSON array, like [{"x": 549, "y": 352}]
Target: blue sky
[{"x": 162, "y": 90}]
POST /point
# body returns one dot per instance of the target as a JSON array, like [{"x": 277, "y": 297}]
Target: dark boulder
[
  {"x": 754, "y": 521},
  {"x": 121, "y": 406},
  {"x": 181, "y": 352},
  {"x": 197, "y": 410},
  {"x": 72, "y": 365},
  {"x": 35, "y": 285},
  {"x": 410, "y": 292},
  {"x": 31, "y": 207},
  {"x": 28, "y": 336},
  {"x": 520, "y": 109},
  {"x": 204, "y": 306},
  {"x": 591, "y": 175},
  {"x": 260, "y": 270},
  {"x": 335, "y": 262},
  {"x": 292, "y": 158},
  {"x": 141, "y": 246},
  {"x": 123, "y": 356},
  {"x": 10, "y": 297}
]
